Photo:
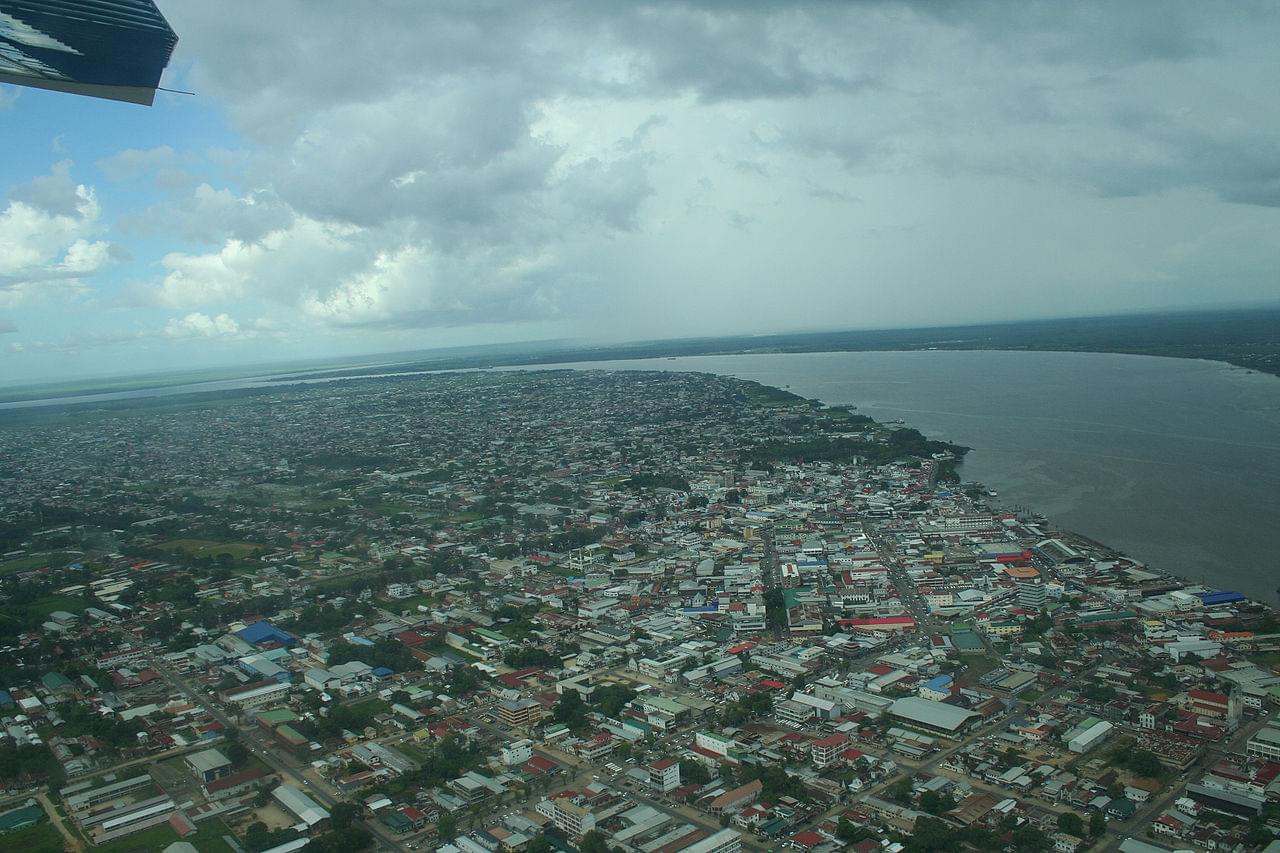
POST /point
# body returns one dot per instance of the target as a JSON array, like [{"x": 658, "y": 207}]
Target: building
[
  {"x": 724, "y": 841},
  {"x": 301, "y": 806},
  {"x": 732, "y": 802},
  {"x": 936, "y": 689},
  {"x": 826, "y": 750},
  {"x": 1087, "y": 735},
  {"x": 1220, "y": 706},
  {"x": 1266, "y": 743},
  {"x": 257, "y": 695},
  {"x": 517, "y": 752},
  {"x": 517, "y": 713},
  {"x": 664, "y": 775},
  {"x": 568, "y": 816},
  {"x": 936, "y": 717},
  {"x": 208, "y": 765},
  {"x": 80, "y": 797},
  {"x": 236, "y": 783}
]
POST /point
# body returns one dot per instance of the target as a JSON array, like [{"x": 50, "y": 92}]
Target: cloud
[
  {"x": 681, "y": 165},
  {"x": 197, "y": 325},
  {"x": 45, "y": 238}
]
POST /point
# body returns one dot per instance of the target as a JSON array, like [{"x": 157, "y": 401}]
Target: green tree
[
  {"x": 1028, "y": 839},
  {"x": 570, "y": 710},
  {"x": 935, "y": 803},
  {"x": 342, "y": 815},
  {"x": 1071, "y": 823},
  {"x": 447, "y": 827},
  {"x": 1097, "y": 823},
  {"x": 594, "y": 842},
  {"x": 900, "y": 791},
  {"x": 693, "y": 773}
]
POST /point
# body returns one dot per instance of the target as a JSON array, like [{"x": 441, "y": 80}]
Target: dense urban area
[{"x": 591, "y": 611}]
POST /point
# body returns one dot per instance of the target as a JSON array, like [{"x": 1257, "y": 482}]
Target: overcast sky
[{"x": 379, "y": 176}]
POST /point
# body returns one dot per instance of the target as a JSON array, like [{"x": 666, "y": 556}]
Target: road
[
  {"x": 287, "y": 767},
  {"x": 636, "y": 792},
  {"x": 72, "y": 840},
  {"x": 1137, "y": 825}
]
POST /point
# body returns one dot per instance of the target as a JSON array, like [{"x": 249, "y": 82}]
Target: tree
[
  {"x": 1144, "y": 763},
  {"x": 594, "y": 842},
  {"x": 570, "y": 710},
  {"x": 1071, "y": 823},
  {"x": 1097, "y": 823},
  {"x": 900, "y": 791},
  {"x": 447, "y": 828},
  {"x": 1028, "y": 838},
  {"x": 694, "y": 773},
  {"x": 236, "y": 753},
  {"x": 342, "y": 815},
  {"x": 935, "y": 803}
]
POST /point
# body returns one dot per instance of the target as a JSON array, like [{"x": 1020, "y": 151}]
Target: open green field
[
  {"x": 49, "y": 603},
  {"x": 976, "y": 667},
  {"x": 206, "y": 547},
  {"x": 57, "y": 559},
  {"x": 207, "y": 839},
  {"x": 400, "y": 605},
  {"x": 41, "y": 838}
]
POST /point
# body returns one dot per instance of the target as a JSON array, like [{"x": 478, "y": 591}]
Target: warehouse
[
  {"x": 300, "y": 805},
  {"x": 932, "y": 716}
]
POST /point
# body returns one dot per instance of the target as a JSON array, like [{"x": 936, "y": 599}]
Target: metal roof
[
  {"x": 933, "y": 714},
  {"x": 307, "y": 810}
]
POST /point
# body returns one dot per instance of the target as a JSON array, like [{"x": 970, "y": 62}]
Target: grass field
[
  {"x": 976, "y": 667},
  {"x": 56, "y": 559},
  {"x": 1267, "y": 660},
  {"x": 207, "y": 839},
  {"x": 203, "y": 547},
  {"x": 400, "y": 605},
  {"x": 41, "y": 838},
  {"x": 48, "y": 604}
]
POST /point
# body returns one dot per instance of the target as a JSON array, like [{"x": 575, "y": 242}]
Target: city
[{"x": 560, "y": 610}]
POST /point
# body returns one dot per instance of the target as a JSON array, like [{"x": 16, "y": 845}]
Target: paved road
[
  {"x": 287, "y": 768},
  {"x": 1137, "y": 825}
]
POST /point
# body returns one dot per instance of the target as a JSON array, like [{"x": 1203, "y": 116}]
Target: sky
[{"x": 403, "y": 174}]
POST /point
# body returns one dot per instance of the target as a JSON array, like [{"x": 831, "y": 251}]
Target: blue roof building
[
  {"x": 260, "y": 633},
  {"x": 1209, "y": 599}
]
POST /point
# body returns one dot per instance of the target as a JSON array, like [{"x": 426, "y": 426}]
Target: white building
[{"x": 517, "y": 752}]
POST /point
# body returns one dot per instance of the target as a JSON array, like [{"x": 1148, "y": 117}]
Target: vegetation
[
  {"x": 1072, "y": 824},
  {"x": 1140, "y": 762},
  {"x": 898, "y": 444},
  {"x": 40, "y": 838},
  {"x": 739, "y": 711},
  {"x": 389, "y": 653}
]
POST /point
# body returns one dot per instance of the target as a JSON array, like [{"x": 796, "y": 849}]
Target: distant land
[{"x": 1245, "y": 338}]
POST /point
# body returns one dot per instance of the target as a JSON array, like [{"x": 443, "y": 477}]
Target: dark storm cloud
[{"x": 438, "y": 164}]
